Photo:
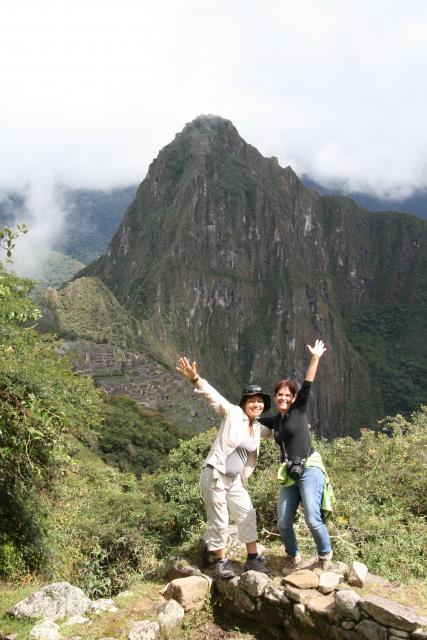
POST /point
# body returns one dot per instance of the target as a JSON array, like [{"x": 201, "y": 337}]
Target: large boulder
[
  {"x": 323, "y": 607},
  {"x": 56, "y": 600},
  {"x": 370, "y": 630},
  {"x": 275, "y": 595},
  {"x": 300, "y": 596},
  {"x": 232, "y": 591},
  {"x": 329, "y": 581}
]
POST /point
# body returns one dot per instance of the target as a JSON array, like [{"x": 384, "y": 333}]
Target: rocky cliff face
[{"x": 226, "y": 256}]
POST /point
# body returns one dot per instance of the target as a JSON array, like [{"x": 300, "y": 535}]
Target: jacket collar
[{"x": 255, "y": 424}]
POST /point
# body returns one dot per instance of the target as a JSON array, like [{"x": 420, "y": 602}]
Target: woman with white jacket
[{"x": 231, "y": 460}]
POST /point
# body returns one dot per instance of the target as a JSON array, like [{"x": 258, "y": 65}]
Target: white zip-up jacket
[{"x": 232, "y": 428}]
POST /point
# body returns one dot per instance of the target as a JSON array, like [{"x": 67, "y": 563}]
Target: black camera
[{"x": 295, "y": 468}]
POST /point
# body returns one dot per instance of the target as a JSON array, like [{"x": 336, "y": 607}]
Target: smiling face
[
  {"x": 253, "y": 407},
  {"x": 284, "y": 399}
]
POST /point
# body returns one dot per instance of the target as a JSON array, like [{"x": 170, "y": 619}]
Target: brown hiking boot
[
  {"x": 290, "y": 564},
  {"x": 324, "y": 562}
]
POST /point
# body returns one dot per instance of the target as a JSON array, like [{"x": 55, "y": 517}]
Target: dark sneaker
[
  {"x": 256, "y": 564},
  {"x": 291, "y": 564},
  {"x": 224, "y": 569}
]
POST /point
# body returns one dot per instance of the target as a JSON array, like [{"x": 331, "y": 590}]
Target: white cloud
[
  {"x": 44, "y": 217},
  {"x": 92, "y": 90}
]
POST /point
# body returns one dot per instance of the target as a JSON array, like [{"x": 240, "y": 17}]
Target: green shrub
[
  {"x": 381, "y": 485},
  {"x": 41, "y": 399},
  {"x": 380, "y": 482},
  {"x": 134, "y": 438},
  {"x": 191, "y": 454},
  {"x": 97, "y": 529},
  {"x": 174, "y": 505},
  {"x": 12, "y": 563}
]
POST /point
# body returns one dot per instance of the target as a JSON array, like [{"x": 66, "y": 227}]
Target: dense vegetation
[
  {"x": 134, "y": 438},
  {"x": 50, "y": 514},
  {"x": 41, "y": 399},
  {"x": 121, "y": 525},
  {"x": 380, "y": 482},
  {"x": 398, "y": 372}
]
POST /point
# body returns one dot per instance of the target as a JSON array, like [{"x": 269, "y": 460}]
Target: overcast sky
[{"x": 91, "y": 90}]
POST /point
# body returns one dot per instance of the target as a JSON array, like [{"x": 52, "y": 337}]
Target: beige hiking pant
[{"x": 224, "y": 496}]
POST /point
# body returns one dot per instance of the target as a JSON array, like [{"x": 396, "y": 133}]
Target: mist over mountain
[
  {"x": 416, "y": 203},
  {"x": 68, "y": 228},
  {"x": 91, "y": 217},
  {"x": 226, "y": 256}
]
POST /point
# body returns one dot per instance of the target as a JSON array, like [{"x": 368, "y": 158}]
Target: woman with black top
[{"x": 304, "y": 476}]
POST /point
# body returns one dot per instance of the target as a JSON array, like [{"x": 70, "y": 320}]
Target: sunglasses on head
[{"x": 253, "y": 388}]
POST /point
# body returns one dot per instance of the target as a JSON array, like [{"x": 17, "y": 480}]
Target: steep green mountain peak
[{"x": 226, "y": 255}]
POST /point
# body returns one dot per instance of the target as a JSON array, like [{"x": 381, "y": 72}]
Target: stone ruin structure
[{"x": 307, "y": 604}]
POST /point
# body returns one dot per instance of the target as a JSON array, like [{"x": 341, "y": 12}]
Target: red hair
[{"x": 287, "y": 382}]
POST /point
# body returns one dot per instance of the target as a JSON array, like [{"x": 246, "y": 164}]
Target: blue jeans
[{"x": 308, "y": 490}]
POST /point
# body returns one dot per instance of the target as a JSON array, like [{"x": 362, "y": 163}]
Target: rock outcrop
[{"x": 56, "y": 600}]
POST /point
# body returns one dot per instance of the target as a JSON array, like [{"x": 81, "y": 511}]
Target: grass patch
[{"x": 10, "y": 594}]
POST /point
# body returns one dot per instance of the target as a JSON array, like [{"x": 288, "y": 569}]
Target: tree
[
  {"x": 41, "y": 400},
  {"x": 7, "y": 238}
]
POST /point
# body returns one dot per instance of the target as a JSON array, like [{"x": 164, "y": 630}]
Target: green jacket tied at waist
[{"x": 328, "y": 497}]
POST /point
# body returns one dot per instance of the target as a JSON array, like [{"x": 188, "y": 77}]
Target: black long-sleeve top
[{"x": 291, "y": 431}]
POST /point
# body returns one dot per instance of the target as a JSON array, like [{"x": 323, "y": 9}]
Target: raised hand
[
  {"x": 186, "y": 369},
  {"x": 318, "y": 350}
]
